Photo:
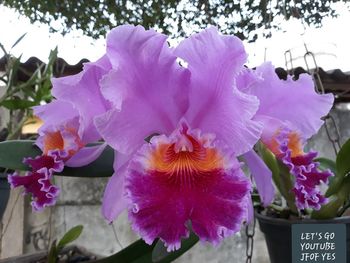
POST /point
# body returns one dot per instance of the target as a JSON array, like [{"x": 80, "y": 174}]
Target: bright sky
[{"x": 331, "y": 42}]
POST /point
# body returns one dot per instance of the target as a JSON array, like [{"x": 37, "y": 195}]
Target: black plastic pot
[{"x": 278, "y": 235}]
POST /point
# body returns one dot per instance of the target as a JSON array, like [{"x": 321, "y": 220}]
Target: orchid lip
[
  {"x": 38, "y": 181},
  {"x": 307, "y": 176},
  {"x": 189, "y": 179},
  {"x": 64, "y": 139}
]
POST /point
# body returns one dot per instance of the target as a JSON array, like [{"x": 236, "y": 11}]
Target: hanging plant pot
[
  {"x": 278, "y": 235},
  {"x": 4, "y": 193}
]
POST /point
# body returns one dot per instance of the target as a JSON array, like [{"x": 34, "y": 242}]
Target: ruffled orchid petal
[
  {"x": 262, "y": 177},
  {"x": 277, "y": 97},
  {"x": 83, "y": 91},
  {"x": 114, "y": 199},
  {"x": 146, "y": 87},
  {"x": 307, "y": 176},
  {"x": 221, "y": 212},
  {"x": 271, "y": 126},
  {"x": 55, "y": 113},
  {"x": 37, "y": 183},
  {"x": 185, "y": 179},
  {"x": 39, "y": 186},
  {"x": 308, "y": 198},
  {"x": 210, "y": 52},
  {"x": 86, "y": 155},
  {"x": 52, "y": 161},
  {"x": 246, "y": 79},
  {"x": 216, "y": 106},
  {"x": 60, "y": 127},
  {"x": 63, "y": 137}
]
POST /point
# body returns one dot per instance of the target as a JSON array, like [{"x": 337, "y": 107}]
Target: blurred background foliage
[
  {"x": 243, "y": 18},
  {"x": 21, "y": 89}
]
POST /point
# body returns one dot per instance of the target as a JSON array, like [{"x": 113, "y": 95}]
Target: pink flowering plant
[{"x": 180, "y": 133}]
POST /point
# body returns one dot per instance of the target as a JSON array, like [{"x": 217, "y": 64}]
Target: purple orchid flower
[
  {"x": 291, "y": 112},
  {"x": 187, "y": 176},
  {"x": 177, "y": 132},
  {"x": 68, "y": 127}
]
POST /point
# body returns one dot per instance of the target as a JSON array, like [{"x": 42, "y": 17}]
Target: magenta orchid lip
[{"x": 203, "y": 117}]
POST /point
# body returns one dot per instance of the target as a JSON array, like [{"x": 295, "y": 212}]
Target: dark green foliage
[
  {"x": 140, "y": 252},
  {"x": 339, "y": 187},
  {"x": 12, "y": 153},
  {"x": 243, "y": 18}
]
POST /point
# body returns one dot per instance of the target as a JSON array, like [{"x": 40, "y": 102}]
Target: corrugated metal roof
[
  {"x": 61, "y": 67},
  {"x": 335, "y": 81}
]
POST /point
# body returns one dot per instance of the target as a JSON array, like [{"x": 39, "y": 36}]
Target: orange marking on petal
[
  {"x": 52, "y": 141},
  {"x": 185, "y": 164},
  {"x": 294, "y": 144},
  {"x": 273, "y": 145},
  {"x": 55, "y": 141}
]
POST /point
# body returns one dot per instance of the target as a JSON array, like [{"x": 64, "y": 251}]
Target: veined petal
[
  {"x": 209, "y": 52},
  {"x": 114, "y": 198},
  {"x": 86, "y": 155},
  {"x": 262, "y": 177},
  {"x": 185, "y": 179},
  {"x": 55, "y": 113},
  {"x": 277, "y": 97},
  {"x": 146, "y": 87},
  {"x": 114, "y": 201},
  {"x": 83, "y": 91},
  {"x": 216, "y": 106}
]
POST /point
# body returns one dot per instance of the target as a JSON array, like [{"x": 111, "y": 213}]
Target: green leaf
[
  {"x": 326, "y": 164},
  {"x": 17, "y": 103},
  {"x": 52, "y": 59},
  {"x": 13, "y": 152},
  {"x": 137, "y": 252},
  {"x": 256, "y": 199},
  {"x": 19, "y": 40},
  {"x": 272, "y": 163},
  {"x": 140, "y": 252},
  {"x": 53, "y": 253},
  {"x": 329, "y": 210},
  {"x": 161, "y": 255},
  {"x": 343, "y": 159},
  {"x": 342, "y": 168},
  {"x": 70, "y": 236},
  {"x": 286, "y": 187},
  {"x": 280, "y": 175},
  {"x": 13, "y": 66},
  {"x": 101, "y": 167},
  {"x": 336, "y": 202}
]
